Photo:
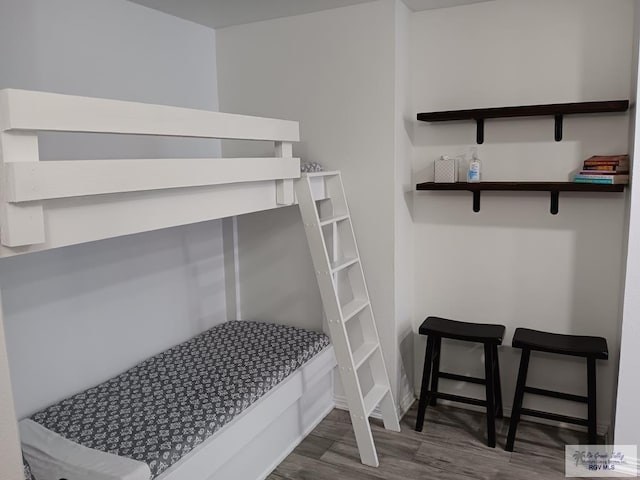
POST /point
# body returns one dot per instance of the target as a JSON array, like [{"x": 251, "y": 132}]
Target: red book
[{"x": 599, "y": 160}]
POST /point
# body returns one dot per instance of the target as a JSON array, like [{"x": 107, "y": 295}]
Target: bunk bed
[{"x": 267, "y": 409}]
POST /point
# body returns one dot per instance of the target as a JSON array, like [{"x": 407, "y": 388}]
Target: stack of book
[{"x": 604, "y": 169}]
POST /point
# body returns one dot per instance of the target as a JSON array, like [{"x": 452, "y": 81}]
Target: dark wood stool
[
  {"x": 591, "y": 348},
  {"x": 491, "y": 336}
]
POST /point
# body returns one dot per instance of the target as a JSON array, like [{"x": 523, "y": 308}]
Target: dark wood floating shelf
[
  {"x": 556, "y": 110},
  {"x": 554, "y": 188}
]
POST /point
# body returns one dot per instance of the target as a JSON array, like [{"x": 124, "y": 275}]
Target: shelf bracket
[
  {"x": 558, "y": 129},
  {"x": 555, "y": 195},
  {"x": 479, "y": 130},
  {"x": 476, "y": 200}
]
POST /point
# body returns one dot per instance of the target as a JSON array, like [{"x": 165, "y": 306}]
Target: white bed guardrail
[{"x": 28, "y": 183}]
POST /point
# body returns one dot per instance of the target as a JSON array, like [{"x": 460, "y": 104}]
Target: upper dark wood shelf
[
  {"x": 552, "y": 187},
  {"x": 527, "y": 111},
  {"x": 557, "y": 110}
]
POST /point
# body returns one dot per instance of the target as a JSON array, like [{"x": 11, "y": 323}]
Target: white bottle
[{"x": 473, "y": 174}]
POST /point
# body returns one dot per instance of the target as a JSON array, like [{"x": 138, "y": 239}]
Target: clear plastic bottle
[{"x": 473, "y": 174}]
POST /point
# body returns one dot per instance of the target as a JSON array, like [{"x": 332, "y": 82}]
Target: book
[
  {"x": 605, "y": 168},
  {"x": 602, "y": 172},
  {"x": 598, "y": 182},
  {"x": 606, "y": 164},
  {"x": 603, "y": 179},
  {"x": 608, "y": 160}
]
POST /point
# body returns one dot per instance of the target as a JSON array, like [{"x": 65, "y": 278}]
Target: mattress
[{"x": 152, "y": 415}]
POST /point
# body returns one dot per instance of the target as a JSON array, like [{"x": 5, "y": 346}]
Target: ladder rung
[
  {"x": 354, "y": 307},
  {"x": 363, "y": 353},
  {"x": 336, "y": 219},
  {"x": 343, "y": 263},
  {"x": 329, "y": 173},
  {"x": 373, "y": 398}
]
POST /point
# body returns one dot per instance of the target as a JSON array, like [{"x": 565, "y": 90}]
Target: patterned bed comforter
[
  {"x": 27, "y": 469},
  {"x": 161, "y": 409}
]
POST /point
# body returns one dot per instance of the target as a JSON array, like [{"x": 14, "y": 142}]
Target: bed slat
[
  {"x": 41, "y": 111},
  {"x": 85, "y": 219},
  {"x": 26, "y": 182}
]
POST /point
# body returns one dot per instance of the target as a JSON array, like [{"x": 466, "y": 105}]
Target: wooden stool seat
[
  {"x": 590, "y": 348},
  {"x": 576, "y": 345},
  {"x": 466, "y": 331},
  {"x": 490, "y": 336}
]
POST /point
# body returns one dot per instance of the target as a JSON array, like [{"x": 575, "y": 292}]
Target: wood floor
[{"x": 451, "y": 446}]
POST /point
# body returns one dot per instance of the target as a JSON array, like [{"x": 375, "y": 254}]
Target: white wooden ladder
[{"x": 347, "y": 308}]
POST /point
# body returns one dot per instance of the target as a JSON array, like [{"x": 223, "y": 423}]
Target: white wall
[
  {"x": 513, "y": 263},
  {"x": 355, "y": 81},
  {"x": 627, "y": 418},
  {"x": 78, "y": 315},
  {"x": 334, "y": 72}
]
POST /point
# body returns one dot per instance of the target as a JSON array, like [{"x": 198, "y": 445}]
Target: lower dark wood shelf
[
  {"x": 554, "y": 188},
  {"x": 523, "y": 186}
]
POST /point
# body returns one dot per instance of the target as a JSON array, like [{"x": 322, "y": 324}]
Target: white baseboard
[
  {"x": 603, "y": 428},
  {"x": 405, "y": 404},
  {"x": 341, "y": 402},
  {"x": 630, "y": 468},
  {"x": 402, "y": 407}
]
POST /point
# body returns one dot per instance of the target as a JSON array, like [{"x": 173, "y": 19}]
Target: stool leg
[
  {"x": 517, "y": 400},
  {"x": 489, "y": 370},
  {"x": 497, "y": 387},
  {"x": 435, "y": 374},
  {"x": 591, "y": 400},
  {"x": 424, "y": 389}
]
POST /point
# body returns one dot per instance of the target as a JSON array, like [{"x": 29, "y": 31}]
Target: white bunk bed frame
[{"x": 50, "y": 204}]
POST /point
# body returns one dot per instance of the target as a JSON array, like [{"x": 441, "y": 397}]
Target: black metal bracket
[
  {"x": 555, "y": 195},
  {"x": 558, "y": 118},
  {"x": 479, "y": 130},
  {"x": 555, "y": 200},
  {"x": 476, "y": 201},
  {"x": 558, "y": 129}
]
